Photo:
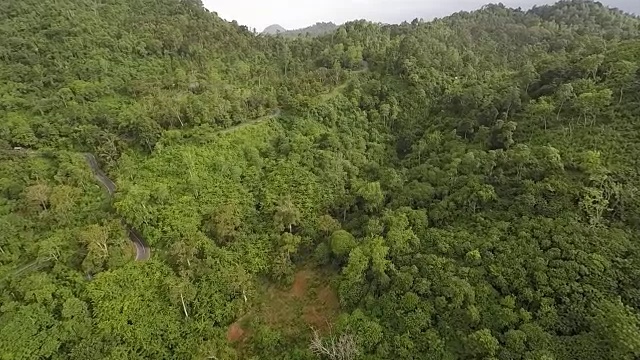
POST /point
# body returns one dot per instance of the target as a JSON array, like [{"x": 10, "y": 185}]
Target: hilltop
[{"x": 274, "y": 29}]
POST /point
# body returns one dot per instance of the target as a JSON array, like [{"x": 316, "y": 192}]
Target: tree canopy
[{"x": 463, "y": 188}]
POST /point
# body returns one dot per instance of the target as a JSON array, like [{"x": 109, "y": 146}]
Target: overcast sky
[{"x": 294, "y": 14}]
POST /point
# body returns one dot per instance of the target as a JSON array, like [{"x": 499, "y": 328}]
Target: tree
[
  {"x": 223, "y": 223},
  {"x": 289, "y": 243},
  {"x": 342, "y": 242},
  {"x": 564, "y": 94},
  {"x": 591, "y": 104},
  {"x": 527, "y": 75},
  {"x": 286, "y": 215},
  {"x": 96, "y": 238},
  {"x": 502, "y": 135},
  {"x": 594, "y": 204},
  {"x": 482, "y": 344},
  {"x": 372, "y": 195},
  {"x": 38, "y": 195},
  {"x": 379, "y": 252},
  {"x": 542, "y": 108},
  {"x": 181, "y": 253},
  {"x": 20, "y": 132},
  {"x": 52, "y": 247},
  {"x": 366, "y": 330},
  {"x": 285, "y": 56},
  {"x": 622, "y": 74},
  {"x": 181, "y": 293},
  {"x": 341, "y": 348},
  {"x": 352, "y": 287},
  {"x": 62, "y": 198},
  {"x": 619, "y": 326},
  {"x": 591, "y": 63},
  {"x": 328, "y": 224}
]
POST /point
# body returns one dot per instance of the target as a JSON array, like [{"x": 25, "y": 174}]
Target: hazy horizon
[{"x": 260, "y": 14}]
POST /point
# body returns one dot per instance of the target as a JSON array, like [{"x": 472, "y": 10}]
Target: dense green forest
[{"x": 464, "y": 188}]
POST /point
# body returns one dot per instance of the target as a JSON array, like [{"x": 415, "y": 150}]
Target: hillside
[
  {"x": 465, "y": 188},
  {"x": 149, "y": 66}
]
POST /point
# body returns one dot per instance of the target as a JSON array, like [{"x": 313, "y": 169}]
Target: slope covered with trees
[{"x": 465, "y": 188}]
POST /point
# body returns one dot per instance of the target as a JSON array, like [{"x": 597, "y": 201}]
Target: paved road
[{"x": 143, "y": 251}]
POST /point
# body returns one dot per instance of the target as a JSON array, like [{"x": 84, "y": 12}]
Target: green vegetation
[{"x": 465, "y": 188}]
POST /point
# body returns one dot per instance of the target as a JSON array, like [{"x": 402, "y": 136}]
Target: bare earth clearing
[{"x": 310, "y": 302}]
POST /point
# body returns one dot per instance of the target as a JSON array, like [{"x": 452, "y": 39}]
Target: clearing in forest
[{"x": 309, "y": 302}]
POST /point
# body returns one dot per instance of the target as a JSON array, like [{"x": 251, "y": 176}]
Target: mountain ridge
[{"x": 317, "y": 29}]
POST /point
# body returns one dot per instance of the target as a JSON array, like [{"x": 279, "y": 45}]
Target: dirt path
[{"x": 275, "y": 114}]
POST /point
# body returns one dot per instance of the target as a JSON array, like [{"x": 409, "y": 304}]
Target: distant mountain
[
  {"x": 274, "y": 29},
  {"x": 317, "y": 29}
]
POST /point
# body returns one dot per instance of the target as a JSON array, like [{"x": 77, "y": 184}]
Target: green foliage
[
  {"x": 619, "y": 327},
  {"x": 342, "y": 242},
  {"x": 482, "y": 344},
  {"x": 470, "y": 183}
]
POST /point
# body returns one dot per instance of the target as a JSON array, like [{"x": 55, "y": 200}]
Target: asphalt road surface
[{"x": 143, "y": 251}]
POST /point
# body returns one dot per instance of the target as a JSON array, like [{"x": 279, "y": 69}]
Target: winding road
[{"x": 143, "y": 251}]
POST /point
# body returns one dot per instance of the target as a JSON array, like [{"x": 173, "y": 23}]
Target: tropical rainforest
[{"x": 462, "y": 188}]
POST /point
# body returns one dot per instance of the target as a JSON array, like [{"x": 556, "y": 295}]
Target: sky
[{"x": 294, "y": 14}]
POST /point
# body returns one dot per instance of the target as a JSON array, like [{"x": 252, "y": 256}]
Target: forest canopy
[{"x": 463, "y": 188}]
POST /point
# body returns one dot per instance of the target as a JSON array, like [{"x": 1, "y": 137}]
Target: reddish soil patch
[
  {"x": 320, "y": 312},
  {"x": 235, "y": 332},
  {"x": 329, "y": 298},
  {"x": 299, "y": 287},
  {"x": 309, "y": 302},
  {"x": 314, "y": 318}
]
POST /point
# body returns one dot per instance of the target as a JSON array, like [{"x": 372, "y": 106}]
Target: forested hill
[
  {"x": 110, "y": 75},
  {"x": 465, "y": 188}
]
